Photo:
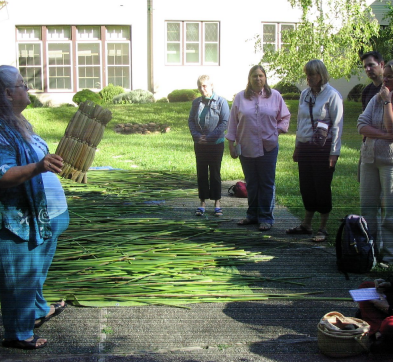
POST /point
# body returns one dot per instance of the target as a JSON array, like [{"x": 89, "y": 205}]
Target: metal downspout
[{"x": 150, "y": 45}]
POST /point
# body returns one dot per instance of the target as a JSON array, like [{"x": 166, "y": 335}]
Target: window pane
[
  {"x": 88, "y": 33},
  {"x": 88, "y": 54},
  {"x": 59, "y": 54},
  {"x": 269, "y": 47},
  {"x": 192, "y": 32},
  {"x": 118, "y": 32},
  {"x": 173, "y": 53},
  {"x": 59, "y": 32},
  {"x": 287, "y": 27},
  {"x": 119, "y": 76},
  {"x": 211, "y": 53},
  {"x": 211, "y": 32},
  {"x": 29, "y": 33},
  {"x": 89, "y": 77},
  {"x": 30, "y": 54},
  {"x": 30, "y": 64},
  {"x": 173, "y": 32},
  {"x": 192, "y": 53},
  {"x": 32, "y": 76},
  {"x": 118, "y": 54},
  {"x": 60, "y": 78},
  {"x": 269, "y": 33}
]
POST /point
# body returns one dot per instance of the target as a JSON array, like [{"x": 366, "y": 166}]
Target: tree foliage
[
  {"x": 384, "y": 42},
  {"x": 334, "y": 31}
]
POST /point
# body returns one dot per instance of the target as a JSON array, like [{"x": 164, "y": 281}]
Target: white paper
[
  {"x": 359, "y": 295},
  {"x": 322, "y": 125}
]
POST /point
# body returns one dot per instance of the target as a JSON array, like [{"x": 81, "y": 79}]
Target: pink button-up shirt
[{"x": 254, "y": 123}]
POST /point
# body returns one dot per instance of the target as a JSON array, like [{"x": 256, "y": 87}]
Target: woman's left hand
[
  {"x": 385, "y": 93},
  {"x": 51, "y": 163},
  {"x": 333, "y": 160}
]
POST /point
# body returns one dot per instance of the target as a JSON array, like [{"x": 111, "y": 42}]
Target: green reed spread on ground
[{"x": 109, "y": 256}]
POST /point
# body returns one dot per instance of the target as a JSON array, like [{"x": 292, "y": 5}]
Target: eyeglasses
[
  {"x": 24, "y": 85},
  {"x": 388, "y": 77}
]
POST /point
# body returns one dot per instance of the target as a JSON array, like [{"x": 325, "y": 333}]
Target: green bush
[
  {"x": 291, "y": 96},
  {"x": 183, "y": 95},
  {"x": 355, "y": 94},
  {"x": 109, "y": 92},
  {"x": 86, "y": 95},
  {"x": 162, "y": 100},
  {"x": 284, "y": 87},
  {"x": 34, "y": 101},
  {"x": 135, "y": 96}
]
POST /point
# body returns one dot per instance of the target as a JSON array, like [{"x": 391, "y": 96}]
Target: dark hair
[
  {"x": 249, "y": 93},
  {"x": 376, "y": 55},
  {"x": 316, "y": 66},
  {"x": 8, "y": 78}
]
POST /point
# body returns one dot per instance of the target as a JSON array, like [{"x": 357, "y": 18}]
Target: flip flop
[
  {"x": 218, "y": 211},
  {"x": 320, "y": 236},
  {"x": 200, "y": 211},
  {"x": 299, "y": 230},
  {"x": 247, "y": 222},
  {"x": 14, "y": 343},
  {"x": 58, "y": 309},
  {"x": 264, "y": 226}
]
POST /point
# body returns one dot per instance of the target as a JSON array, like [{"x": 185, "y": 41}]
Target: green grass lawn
[{"x": 174, "y": 152}]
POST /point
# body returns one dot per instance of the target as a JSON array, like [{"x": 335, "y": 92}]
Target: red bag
[{"x": 238, "y": 190}]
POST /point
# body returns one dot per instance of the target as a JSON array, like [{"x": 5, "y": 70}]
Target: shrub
[
  {"x": 86, "y": 95},
  {"x": 135, "y": 96},
  {"x": 284, "y": 87},
  {"x": 110, "y": 91},
  {"x": 355, "y": 94},
  {"x": 162, "y": 100},
  {"x": 183, "y": 95},
  {"x": 35, "y": 102},
  {"x": 291, "y": 96}
]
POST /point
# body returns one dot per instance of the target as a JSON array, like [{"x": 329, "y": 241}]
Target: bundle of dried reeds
[{"x": 79, "y": 143}]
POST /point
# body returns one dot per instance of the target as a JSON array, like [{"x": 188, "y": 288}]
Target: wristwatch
[{"x": 386, "y": 102}]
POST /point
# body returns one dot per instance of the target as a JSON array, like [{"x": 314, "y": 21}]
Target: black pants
[
  {"x": 208, "y": 159},
  {"x": 315, "y": 177}
]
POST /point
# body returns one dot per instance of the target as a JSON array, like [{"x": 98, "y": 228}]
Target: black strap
[{"x": 310, "y": 105}]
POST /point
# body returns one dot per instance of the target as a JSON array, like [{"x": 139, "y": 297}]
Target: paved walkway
[{"x": 247, "y": 331}]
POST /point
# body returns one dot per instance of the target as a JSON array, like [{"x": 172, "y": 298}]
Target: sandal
[
  {"x": 264, "y": 226},
  {"x": 200, "y": 211},
  {"x": 246, "y": 222},
  {"x": 58, "y": 309},
  {"x": 320, "y": 236},
  {"x": 15, "y": 343},
  {"x": 298, "y": 230},
  {"x": 218, "y": 211}
]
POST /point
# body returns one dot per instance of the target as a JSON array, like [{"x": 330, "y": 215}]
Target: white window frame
[
  {"x": 99, "y": 42},
  {"x": 278, "y": 28},
  {"x": 183, "y": 43},
  {"x": 211, "y": 42},
  {"x": 27, "y": 66},
  {"x": 186, "y": 42},
  {"x": 180, "y": 42},
  {"x": 114, "y": 66},
  {"x": 48, "y": 66}
]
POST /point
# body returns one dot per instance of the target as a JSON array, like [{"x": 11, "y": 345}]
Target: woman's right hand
[{"x": 381, "y": 285}]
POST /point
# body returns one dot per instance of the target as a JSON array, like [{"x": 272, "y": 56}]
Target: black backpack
[{"x": 355, "y": 249}]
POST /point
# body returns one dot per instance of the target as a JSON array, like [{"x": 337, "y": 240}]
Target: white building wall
[{"x": 239, "y": 22}]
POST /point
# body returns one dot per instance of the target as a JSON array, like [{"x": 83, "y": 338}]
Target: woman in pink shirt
[{"x": 258, "y": 116}]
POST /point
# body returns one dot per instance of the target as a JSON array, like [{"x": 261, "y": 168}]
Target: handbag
[
  {"x": 340, "y": 336},
  {"x": 238, "y": 190},
  {"x": 321, "y": 129}
]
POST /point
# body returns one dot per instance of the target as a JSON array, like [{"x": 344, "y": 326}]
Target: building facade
[{"x": 157, "y": 45}]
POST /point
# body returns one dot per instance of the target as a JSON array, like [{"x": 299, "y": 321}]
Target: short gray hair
[
  {"x": 204, "y": 78},
  {"x": 316, "y": 66}
]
